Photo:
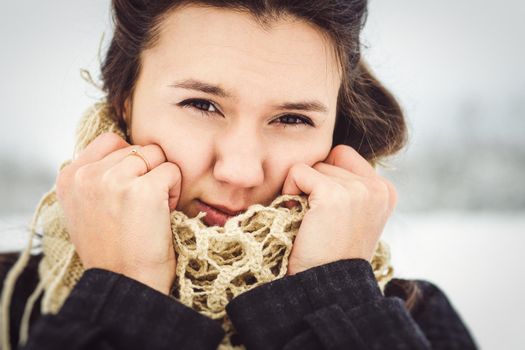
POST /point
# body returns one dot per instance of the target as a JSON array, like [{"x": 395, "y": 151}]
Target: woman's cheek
[
  {"x": 193, "y": 155},
  {"x": 292, "y": 153}
]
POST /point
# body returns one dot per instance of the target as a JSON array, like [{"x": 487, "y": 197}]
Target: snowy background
[{"x": 456, "y": 67}]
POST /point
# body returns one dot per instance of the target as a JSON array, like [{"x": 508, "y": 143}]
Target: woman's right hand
[{"x": 118, "y": 214}]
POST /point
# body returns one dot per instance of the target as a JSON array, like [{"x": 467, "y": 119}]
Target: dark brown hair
[{"x": 369, "y": 119}]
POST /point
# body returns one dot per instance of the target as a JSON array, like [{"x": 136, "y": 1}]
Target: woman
[{"x": 229, "y": 104}]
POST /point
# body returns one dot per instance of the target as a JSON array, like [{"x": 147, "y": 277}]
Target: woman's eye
[
  {"x": 206, "y": 107},
  {"x": 203, "y": 106},
  {"x": 294, "y": 120}
]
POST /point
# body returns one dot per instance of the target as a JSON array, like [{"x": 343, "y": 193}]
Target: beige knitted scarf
[{"x": 214, "y": 264}]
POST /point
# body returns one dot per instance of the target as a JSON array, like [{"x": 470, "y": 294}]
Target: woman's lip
[
  {"x": 224, "y": 209},
  {"x": 214, "y": 217}
]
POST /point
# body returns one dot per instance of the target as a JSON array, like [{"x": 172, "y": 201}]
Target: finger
[
  {"x": 302, "y": 178},
  {"x": 124, "y": 165},
  {"x": 166, "y": 177},
  {"x": 345, "y": 178},
  {"x": 99, "y": 148},
  {"x": 341, "y": 175},
  {"x": 346, "y": 157}
]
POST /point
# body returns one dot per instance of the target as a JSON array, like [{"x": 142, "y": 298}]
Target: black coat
[{"x": 334, "y": 306}]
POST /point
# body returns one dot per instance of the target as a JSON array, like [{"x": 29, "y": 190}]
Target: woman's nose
[{"x": 239, "y": 159}]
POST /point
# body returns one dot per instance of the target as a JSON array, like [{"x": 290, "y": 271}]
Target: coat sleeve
[
  {"x": 336, "y": 306},
  {"x": 106, "y": 310}
]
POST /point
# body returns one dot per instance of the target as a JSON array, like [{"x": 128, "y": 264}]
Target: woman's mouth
[{"x": 214, "y": 216}]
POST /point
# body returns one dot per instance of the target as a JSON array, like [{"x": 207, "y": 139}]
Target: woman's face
[{"x": 234, "y": 105}]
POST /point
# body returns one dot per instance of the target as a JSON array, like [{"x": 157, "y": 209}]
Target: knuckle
[
  {"x": 379, "y": 187},
  {"x": 359, "y": 190},
  {"x": 112, "y": 181},
  {"x": 393, "y": 195},
  {"x": 84, "y": 176},
  {"x": 173, "y": 167},
  {"x": 384, "y": 192},
  {"x": 334, "y": 192}
]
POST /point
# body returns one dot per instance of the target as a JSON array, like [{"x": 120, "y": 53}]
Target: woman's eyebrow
[
  {"x": 198, "y": 85},
  {"x": 309, "y": 106},
  {"x": 193, "y": 84}
]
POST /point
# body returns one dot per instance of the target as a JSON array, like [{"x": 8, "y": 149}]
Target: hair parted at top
[{"x": 369, "y": 118}]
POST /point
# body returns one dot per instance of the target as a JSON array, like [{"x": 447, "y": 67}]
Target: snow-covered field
[
  {"x": 476, "y": 260},
  {"x": 474, "y": 257}
]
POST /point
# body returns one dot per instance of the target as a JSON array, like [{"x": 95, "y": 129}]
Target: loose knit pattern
[{"x": 214, "y": 264}]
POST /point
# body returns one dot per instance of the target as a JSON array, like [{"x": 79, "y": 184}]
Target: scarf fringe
[{"x": 16, "y": 271}]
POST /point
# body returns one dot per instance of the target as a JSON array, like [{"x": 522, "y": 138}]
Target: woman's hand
[
  {"x": 349, "y": 206},
  {"x": 118, "y": 214}
]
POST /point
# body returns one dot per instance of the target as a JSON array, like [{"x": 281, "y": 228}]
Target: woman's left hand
[{"x": 349, "y": 206}]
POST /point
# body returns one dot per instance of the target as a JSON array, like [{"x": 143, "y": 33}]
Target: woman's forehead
[{"x": 224, "y": 46}]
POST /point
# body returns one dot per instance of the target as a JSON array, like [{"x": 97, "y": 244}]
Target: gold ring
[{"x": 135, "y": 152}]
